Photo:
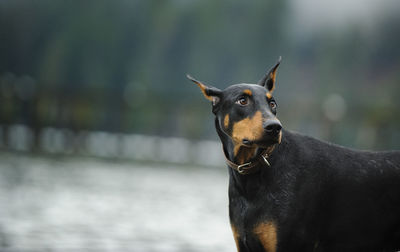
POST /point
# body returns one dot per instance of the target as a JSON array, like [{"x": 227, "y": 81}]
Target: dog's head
[{"x": 246, "y": 113}]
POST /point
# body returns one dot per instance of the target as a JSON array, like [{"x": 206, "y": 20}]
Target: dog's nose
[{"x": 273, "y": 127}]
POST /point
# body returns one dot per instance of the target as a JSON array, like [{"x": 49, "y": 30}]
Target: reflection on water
[{"x": 92, "y": 205}]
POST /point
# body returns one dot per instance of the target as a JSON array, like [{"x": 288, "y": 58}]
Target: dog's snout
[{"x": 273, "y": 127}]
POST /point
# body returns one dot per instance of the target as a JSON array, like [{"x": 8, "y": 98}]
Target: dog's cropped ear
[
  {"x": 211, "y": 93},
  {"x": 269, "y": 79}
]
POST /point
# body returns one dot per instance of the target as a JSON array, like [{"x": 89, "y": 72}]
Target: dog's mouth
[{"x": 262, "y": 143}]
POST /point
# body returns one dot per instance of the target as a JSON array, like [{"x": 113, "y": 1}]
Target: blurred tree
[{"x": 120, "y": 66}]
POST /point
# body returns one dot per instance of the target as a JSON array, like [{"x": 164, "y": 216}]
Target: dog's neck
[{"x": 248, "y": 184}]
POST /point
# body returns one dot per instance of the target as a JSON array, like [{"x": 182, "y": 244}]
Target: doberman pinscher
[{"x": 289, "y": 192}]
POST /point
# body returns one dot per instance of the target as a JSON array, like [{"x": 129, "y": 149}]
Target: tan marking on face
[
  {"x": 249, "y": 128},
  {"x": 226, "y": 121},
  {"x": 280, "y": 137},
  {"x": 236, "y": 149},
  {"x": 244, "y": 154},
  {"x": 248, "y": 92},
  {"x": 235, "y": 236},
  {"x": 266, "y": 233},
  {"x": 269, "y": 95}
]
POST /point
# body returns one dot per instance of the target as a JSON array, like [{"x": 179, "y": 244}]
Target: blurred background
[{"x": 106, "y": 146}]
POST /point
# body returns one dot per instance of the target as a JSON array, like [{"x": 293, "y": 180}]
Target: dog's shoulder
[
  {"x": 303, "y": 142},
  {"x": 322, "y": 154}
]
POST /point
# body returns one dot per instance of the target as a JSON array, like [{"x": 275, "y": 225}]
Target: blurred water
[{"x": 94, "y": 205}]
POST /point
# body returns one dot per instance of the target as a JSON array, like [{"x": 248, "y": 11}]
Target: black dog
[{"x": 289, "y": 192}]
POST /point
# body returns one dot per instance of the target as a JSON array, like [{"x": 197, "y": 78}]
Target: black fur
[
  {"x": 323, "y": 197},
  {"x": 319, "y": 196}
]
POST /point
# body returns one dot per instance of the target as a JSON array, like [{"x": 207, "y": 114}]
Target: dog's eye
[
  {"x": 244, "y": 100},
  {"x": 272, "y": 104}
]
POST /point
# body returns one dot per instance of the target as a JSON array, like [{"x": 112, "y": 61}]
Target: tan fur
[
  {"x": 269, "y": 95},
  {"x": 248, "y": 92},
  {"x": 273, "y": 77},
  {"x": 280, "y": 137},
  {"x": 266, "y": 232},
  {"x": 249, "y": 128},
  {"x": 226, "y": 121},
  {"x": 203, "y": 89},
  {"x": 243, "y": 154},
  {"x": 235, "y": 236}
]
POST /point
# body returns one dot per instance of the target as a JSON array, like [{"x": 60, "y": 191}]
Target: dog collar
[{"x": 253, "y": 166}]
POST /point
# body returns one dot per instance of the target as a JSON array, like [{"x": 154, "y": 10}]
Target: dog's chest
[
  {"x": 252, "y": 224},
  {"x": 243, "y": 211},
  {"x": 246, "y": 209}
]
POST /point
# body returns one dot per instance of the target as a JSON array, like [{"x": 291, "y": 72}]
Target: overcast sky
[{"x": 317, "y": 14}]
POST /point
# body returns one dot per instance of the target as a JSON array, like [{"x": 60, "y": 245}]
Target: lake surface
[{"x": 83, "y": 204}]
